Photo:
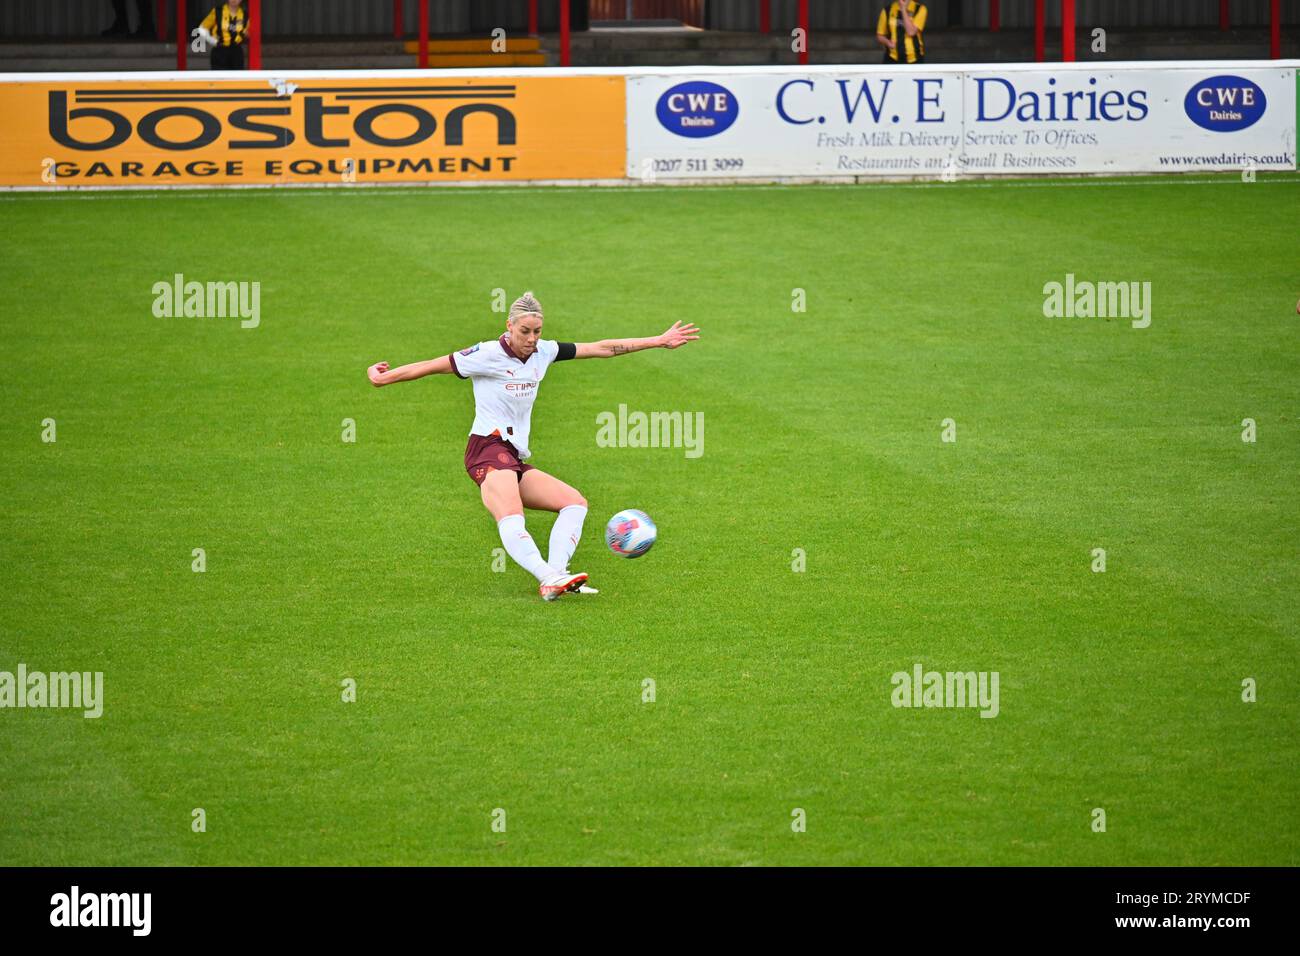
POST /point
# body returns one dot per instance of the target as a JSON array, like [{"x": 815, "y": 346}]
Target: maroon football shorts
[{"x": 488, "y": 453}]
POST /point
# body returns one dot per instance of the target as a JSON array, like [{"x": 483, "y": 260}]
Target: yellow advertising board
[{"x": 322, "y": 129}]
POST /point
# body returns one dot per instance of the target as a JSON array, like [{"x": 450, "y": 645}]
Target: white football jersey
[{"x": 504, "y": 387}]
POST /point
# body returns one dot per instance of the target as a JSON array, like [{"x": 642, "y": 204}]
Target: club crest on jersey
[{"x": 469, "y": 351}]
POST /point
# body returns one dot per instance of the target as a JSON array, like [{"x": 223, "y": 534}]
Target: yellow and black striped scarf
[{"x": 230, "y": 25}]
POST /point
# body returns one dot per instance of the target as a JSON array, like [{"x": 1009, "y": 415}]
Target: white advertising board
[{"x": 882, "y": 121}]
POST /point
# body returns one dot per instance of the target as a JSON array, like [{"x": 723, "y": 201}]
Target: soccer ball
[{"x": 630, "y": 533}]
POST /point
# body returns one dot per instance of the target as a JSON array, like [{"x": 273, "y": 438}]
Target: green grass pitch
[{"x": 372, "y": 560}]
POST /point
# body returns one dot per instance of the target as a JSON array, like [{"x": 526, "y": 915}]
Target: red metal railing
[
  {"x": 1067, "y": 31},
  {"x": 1040, "y": 30},
  {"x": 182, "y": 35},
  {"x": 254, "y": 35},
  {"x": 565, "y": 55},
  {"x": 803, "y": 25}
]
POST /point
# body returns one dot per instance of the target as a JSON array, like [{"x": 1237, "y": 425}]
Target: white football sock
[
  {"x": 565, "y": 536},
  {"x": 520, "y": 546}
]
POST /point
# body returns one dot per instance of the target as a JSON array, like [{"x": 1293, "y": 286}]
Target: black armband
[{"x": 567, "y": 351}]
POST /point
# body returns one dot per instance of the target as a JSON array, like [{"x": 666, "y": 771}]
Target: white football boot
[{"x": 552, "y": 588}]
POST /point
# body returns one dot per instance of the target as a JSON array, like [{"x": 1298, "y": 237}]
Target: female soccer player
[{"x": 505, "y": 373}]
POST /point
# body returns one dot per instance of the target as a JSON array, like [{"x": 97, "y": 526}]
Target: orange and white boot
[{"x": 552, "y": 588}]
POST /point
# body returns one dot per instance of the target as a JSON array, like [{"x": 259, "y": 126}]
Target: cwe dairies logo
[
  {"x": 1225, "y": 104},
  {"x": 697, "y": 109}
]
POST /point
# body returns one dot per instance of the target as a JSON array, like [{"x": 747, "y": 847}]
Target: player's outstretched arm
[
  {"x": 677, "y": 336},
  {"x": 380, "y": 374}
]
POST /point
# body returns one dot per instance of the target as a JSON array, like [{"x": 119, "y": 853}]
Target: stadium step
[
  {"x": 478, "y": 52},
  {"x": 286, "y": 54},
  {"x": 684, "y": 46},
  {"x": 61, "y": 65},
  {"x": 476, "y": 45},
  {"x": 692, "y": 47},
  {"x": 403, "y": 62}
]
